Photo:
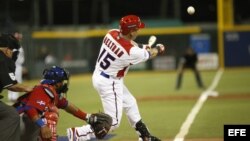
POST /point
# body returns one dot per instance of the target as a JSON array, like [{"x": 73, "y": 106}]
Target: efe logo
[{"x": 236, "y": 132}]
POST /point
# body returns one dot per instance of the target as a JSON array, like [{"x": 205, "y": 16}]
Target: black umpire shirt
[
  {"x": 7, "y": 72},
  {"x": 190, "y": 60}
]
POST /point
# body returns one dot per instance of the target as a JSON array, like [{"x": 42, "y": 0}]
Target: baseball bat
[{"x": 152, "y": 39}]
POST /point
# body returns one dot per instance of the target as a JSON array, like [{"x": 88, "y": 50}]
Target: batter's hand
[{"x": 160, "y": 48}]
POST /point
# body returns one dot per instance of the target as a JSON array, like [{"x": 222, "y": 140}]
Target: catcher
[{"x": 38, "y": 109}]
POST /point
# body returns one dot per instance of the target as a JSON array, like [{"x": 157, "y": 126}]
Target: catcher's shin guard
[
  {"x": 143, "y": 132},
  {"x": 51, "y": 120}
]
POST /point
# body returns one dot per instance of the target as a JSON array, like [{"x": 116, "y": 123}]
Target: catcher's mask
[
  {"x": 56, "y": 75},
  {"x": 130, "y": 23}
]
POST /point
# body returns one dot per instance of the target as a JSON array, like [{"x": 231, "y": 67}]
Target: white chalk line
[{"x": 203, "y": 97}]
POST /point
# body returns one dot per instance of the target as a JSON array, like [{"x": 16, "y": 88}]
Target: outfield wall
[
  {"x": 237, "y": 48},
  {"x": 77, "y": 48}
]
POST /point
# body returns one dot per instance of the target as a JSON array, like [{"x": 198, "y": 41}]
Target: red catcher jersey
[{"x": 43, "y": 96}]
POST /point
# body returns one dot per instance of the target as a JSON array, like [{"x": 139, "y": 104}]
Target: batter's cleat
[
  {"x": 151, "y": 138},
  {"x": 71, "y": 134}
]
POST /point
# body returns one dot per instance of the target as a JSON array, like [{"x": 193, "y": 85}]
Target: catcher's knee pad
[{"x": 51, "y": 117}]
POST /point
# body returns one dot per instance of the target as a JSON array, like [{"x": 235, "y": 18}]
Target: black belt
[{"x": 105, "y": 75}]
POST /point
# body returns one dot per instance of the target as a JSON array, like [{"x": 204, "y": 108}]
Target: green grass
[
  {"x": 216, "y": 113},
  {"x": 235, "y": 81},
  {"x": 165, "y": 116}
]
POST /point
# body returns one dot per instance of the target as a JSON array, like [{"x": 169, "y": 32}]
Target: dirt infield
[
  {"x": 208, "y": 139},
  {"x": 198, "y": 139}
]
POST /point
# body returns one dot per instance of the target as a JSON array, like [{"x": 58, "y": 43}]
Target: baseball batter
[{"x": 117, "y": 53}]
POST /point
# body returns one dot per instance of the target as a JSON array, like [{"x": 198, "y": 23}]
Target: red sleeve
[
  {"x": 62, "y": 103},
  {"x": 80, "y": 114}
]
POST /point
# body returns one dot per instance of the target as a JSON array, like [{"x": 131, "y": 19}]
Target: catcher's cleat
[
  {"x": 71, "y": 134},
  {"x": 151, "y": 138}
]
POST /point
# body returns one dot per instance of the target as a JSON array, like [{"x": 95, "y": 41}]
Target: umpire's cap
[{"x": 9, "y": 41}]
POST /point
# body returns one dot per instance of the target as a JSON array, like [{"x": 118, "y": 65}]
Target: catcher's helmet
[
  {"x": 130, "y": 23},
  {"x": 54, "y": 75}
]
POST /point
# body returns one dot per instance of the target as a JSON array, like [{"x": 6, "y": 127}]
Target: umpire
[
  {"x": 189, "y": 61},
  {"x": 9, "y": 118}
]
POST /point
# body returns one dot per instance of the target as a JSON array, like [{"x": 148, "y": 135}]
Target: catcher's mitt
[{"x": 100, "y": 124}]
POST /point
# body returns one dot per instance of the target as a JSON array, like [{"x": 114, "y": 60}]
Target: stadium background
[{"x": 72, "y": 30}]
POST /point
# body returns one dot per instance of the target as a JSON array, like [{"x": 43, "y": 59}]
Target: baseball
[{"x": 190, "y": 10}]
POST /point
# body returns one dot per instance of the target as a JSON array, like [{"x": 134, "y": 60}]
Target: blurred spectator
[
  {"x": 189, "y": 61},
  {"x": 50, "y": 60},
  {"x": 68, "y": 57},
  {"x": 12, "y": 96},
  {"x": 46, "y": 57},
  {"x": 42, "y": 54}
]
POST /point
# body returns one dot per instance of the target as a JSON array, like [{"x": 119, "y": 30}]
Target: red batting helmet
[{"x": 130, "y": 23}]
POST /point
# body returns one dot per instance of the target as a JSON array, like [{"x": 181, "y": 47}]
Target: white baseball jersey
[
  {"x": 115, "y": 57},
  {"x": 118, "y": 54},
  {"x": 20, "y": 59},
  {"x": 12, "y": 96}
]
